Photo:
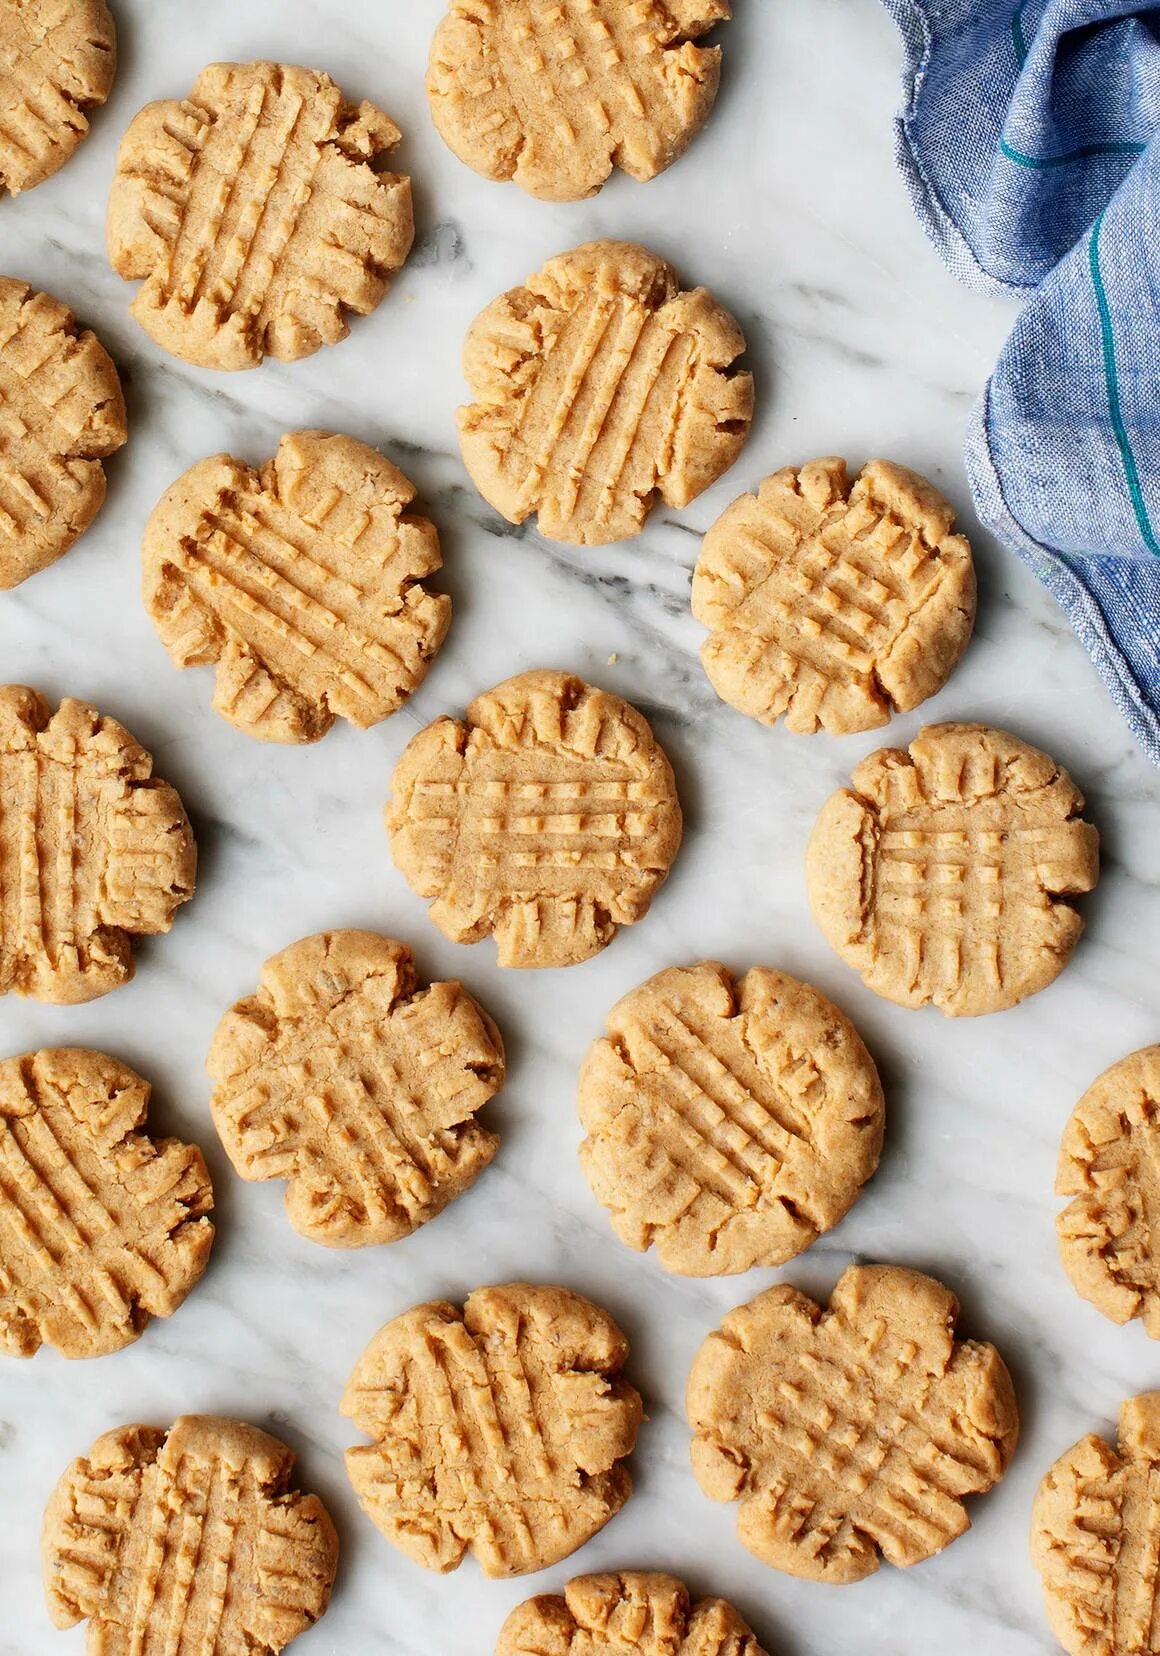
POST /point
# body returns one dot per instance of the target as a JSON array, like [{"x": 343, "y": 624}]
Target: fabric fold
[{"x": 1028, "y": 143}]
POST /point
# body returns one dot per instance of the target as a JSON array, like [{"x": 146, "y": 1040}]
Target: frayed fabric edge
[
  {"x": 1062, "y": 577},
  {"x": 917, "y": 37}
]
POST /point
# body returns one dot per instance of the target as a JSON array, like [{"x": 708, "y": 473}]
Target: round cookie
[
  {"x": 729, "y": 1123},
  {"x": 851, "y": 1431},
  {"x": 548, "y": 817},
  {"x": 1109, "y": 1164},
  {"x": 256, "y": 213},
  {"x": 356, "y": 1085},
  {"x": 191, "y": 1539},
  {"x": 632, "y": 1613},
  {"x": 1094, "y": 1535},
  {"x": 943, "y": 873},
  {"x": 502, "y": 1427},
  {"x": 94, "y": 850},
  {"x": 57, "y": 62},
  {"x": 600, "y": 385},
  {"x": 101, "y": 1226},
  {"x": 301, "y": 583},
  {"x": 556, "y": 96},
  {"x": 61, "y": 414},
  {"x": 830, "y": 604}
]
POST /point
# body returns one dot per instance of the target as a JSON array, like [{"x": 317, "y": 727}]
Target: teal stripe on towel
[
  {"x": 1043, "y": 162},
  {"x": 1017, "y": 34},
  {"x": 1111, "y": 374}
]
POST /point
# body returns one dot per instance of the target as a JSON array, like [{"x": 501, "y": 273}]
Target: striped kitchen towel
[{"x": 1029, "y": 143}]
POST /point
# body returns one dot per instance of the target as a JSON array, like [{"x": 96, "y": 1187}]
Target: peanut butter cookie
[
  {"x": 1094, "y": 1536},
  {"x": 301, "y": 583},
  {"x": 943, "y": 874},
  {"x": 850, "y": 1431},
  {"x": 185, "y": 1540},
  {"x": 600, "y": 385},
  {"x": 1109, "y": 1164},
  {"x": 729, "y": 1123},
  {"x": 556, "y": 96},
  {"x": 358, "y": 1086},
  {"x": 101, "y": 1226},
  {"x": 834, "y": 605},
  {"x": 61, "y": 415},
  {"x": 256, "y": 213},
  {"x": 633, "y": 1613},
  {"x": 57, "y": 62},
  {"x": 94, "y": 850},
  {"x": 549, "y": 818},
  {"x": 502, "y": 1427}
]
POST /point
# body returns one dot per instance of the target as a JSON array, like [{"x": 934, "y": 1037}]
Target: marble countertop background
[{"x": 790, "y": 210}]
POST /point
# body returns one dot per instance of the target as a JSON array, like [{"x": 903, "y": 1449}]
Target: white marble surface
[{"x": 788, "y": 207}]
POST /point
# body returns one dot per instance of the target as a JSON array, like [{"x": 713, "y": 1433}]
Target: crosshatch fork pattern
[
  {"x": 833, "y": 605},
  {"x": 1093, "y": 1538},
  {"x": 1109, "y": 1165},
  {"x": 633, "y": 1613},
  {"x": 188, "y": 1543},
  {"x": 61, "y": 414},
  {"x": 57, "y": 60},
  {"x": 301, "y": 583},
  {"x": 93, "y": 849},
  {"x": 501, "y": 1427},
  {"x": 728, "y": 1124},
  {"x": 853, "y": 1431},
  {"x": 556, "y": 95},
  {"x": 255, "y": 213},
  {"x": 358, "y": 1086},
  {"x": 100, "y": 1226},
  {"x": 599, "y": 386},
  {"x": 943, "y": 874},
  {"x": 549, "y": 818}
]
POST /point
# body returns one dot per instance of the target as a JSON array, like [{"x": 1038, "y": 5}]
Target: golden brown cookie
[
  {"x": 57, "y": 62},
  {"x": 301, "y": 583},
  {"x": 256, "y": 213},
  {"x": 943, "y": 873},
  {"x": 1109, "y": 1164},
  {"x": 94, "y": 850},
  {"x": 632, "y": 1613},
  {"x": 1094, "y": 1537},
  {"x": 358, "y": 1086},
  {"x": 834, "y": 604},
  {"x": 101, "y": 1226},
  {"x": 850, "y": 1431},
  {"x": 549, "y": 818},
  {"x": 555, "y": 96},
  {"x": 61, "y": 414},
  {"x": 600, "y": 385},
  {"x": 502, "y": 1426},
  {"x": 729, "y": 1123},
  {"x": 187, "y": 1540}
]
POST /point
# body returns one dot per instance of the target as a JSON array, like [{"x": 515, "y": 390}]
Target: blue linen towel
[{"x": 1028, "y": 143}]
